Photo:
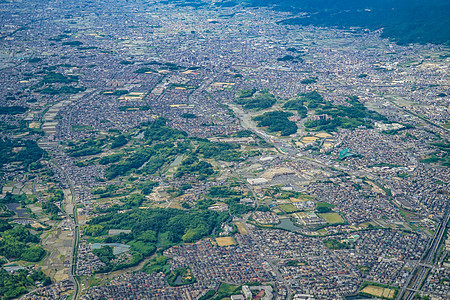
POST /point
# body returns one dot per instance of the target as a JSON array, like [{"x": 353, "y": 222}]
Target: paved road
[
  {"x": 76, "y": 237},
  {"x": 418, "y": 275}
]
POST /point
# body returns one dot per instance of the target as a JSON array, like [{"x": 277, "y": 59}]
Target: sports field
[
  {"x": 379, "y": 291},
  {"x": 332, "y": 218},
  {"x": 225, "y": 241},
  {"x": 288, "y": 208}
]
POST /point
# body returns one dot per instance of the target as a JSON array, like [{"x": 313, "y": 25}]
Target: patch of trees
[
  {"x": 126, "y": 62},
  {"x": 162, "y": 150},
  {"x": 156, "y": 264},
  {"x": 349, "y": 117},
  {"x": 119, "y": 141},
  {"x": 230, "y": 197},
  {"x": 59, "y": 37},
  {"x": 148, "y": 187},
  {"x": 90, "y": 146},
  {"x": 161, "y": 144},
  {"x": 180, "y": 276},
  {"x": 158, "y": 131},
  {"x": 290, "y": 58},
  {"x": 10, "y": 198},
  {"x": 144, "y": 70},
  {"x": 18, "y": 243},
  {"x": 140, "y": 108},
  {"x": 12, "y": 110},
  {"x": 219, "y": 151},
  {"x": 188, "y": 116},
  {"x": 152, "y": 227},
  {"x": 297, "y": 105},
  {"x": 51, "y": 209},
  {"x": 312, "y": 99},
  {"x": 182, "y": 85},
  {"x": 53, "y": 77},
  {"x": 105, "y": 254},
  {"x": 116, "y": 93},
  {"x": 277, "y": 121},
  {"x": 222, "y": 192},
  {"x": 14, "y": 285},
  {"x": 134, "y": 161},
  {"x": 193, "y": 166},
  {"x": 73, "y": 43},
  {"x": 105, "y": 160},
  {"x": 107, "y": 191},
  {"x": 29, "y": 153},
  {"x": 251, "y": 99},
  {"x": 309, "y": 80},
  {"x": 333, "y": 244},
  {"x": 285, "y": 58}
]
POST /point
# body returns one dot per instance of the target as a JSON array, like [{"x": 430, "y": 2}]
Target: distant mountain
[{"x": 403, "y": 21}]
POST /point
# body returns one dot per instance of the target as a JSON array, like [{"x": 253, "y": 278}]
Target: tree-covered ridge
[{"x": 404, "y": 21}]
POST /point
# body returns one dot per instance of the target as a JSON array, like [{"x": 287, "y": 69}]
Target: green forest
[
  {"x": 253, "y": 99},
  {"x": 349, "y": 117},
  {"x": 277, "y": 121},
  {"x": 14, "y": 285},
  {"x": 403, "y": 21},
  {"x": 151, "y": 229},
  {"x": 29, "y": 152},
  {"x": 18, "y": 243}
]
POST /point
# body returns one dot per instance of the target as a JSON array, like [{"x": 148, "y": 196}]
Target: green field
[
  {"x": 332, "y": 218},
  {"x": 288, "y": 208}
]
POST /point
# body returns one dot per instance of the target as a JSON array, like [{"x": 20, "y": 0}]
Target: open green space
[
  {"x": 224, "y": 292},
  {"x": 332, "y": 218},
  {"x": 288, "y": 208}
]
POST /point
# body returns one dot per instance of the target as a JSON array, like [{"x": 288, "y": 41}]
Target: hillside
[{"x": 403, "y": 21}]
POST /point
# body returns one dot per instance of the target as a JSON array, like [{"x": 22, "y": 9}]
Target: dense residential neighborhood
[{"x": 209, "y": 150}]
